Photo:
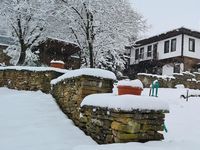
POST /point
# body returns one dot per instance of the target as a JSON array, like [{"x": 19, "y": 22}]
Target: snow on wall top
[
  {"x": 37, "y": 69},
  {"x": 57, "y": 61},
  {"x": 185, "y": 73},
  {"x": 188, "y": 73},
  {"x": 86, "y": 71},
  {"x": 132, "y": 83},
  {"x": 125, "y": 102},
  {"x": 157, "y": 76}
]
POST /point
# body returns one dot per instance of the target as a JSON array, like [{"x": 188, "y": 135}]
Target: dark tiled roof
[{"x": 168, "y": 34}]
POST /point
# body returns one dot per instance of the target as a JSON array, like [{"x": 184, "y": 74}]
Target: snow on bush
[
  {"x": 125, "y": 102},
  {"x": 132, "y": 83},
  {"x": 86, "y": 71}
]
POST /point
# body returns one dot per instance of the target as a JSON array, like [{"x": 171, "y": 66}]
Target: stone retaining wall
[
  {"x": 1, "y": 78},
  {"x": 189, "y": 80},
  {"x": 28, "y": 80},
  {"x": 103, "y": 125},
  {"x": 111, "y": 126},
  {"x": 69, "y": 93}
]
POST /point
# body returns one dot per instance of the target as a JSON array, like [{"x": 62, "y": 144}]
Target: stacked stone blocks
[
  {"x": 189, "y": 80},
  {"x": 114, "y": 126},
  {"x": 69, "y": 93},
  {"x": 28, "y": 80}
]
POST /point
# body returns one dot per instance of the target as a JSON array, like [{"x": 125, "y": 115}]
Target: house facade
[{"x": 171, "y": 52}]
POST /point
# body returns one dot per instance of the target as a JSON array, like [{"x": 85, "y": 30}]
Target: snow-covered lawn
[{"x": 32, "y": 121}]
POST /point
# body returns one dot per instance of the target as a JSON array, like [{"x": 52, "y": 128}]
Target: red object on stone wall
[
  {"x": 122, "y": 90},
  {"x": 58, "y": 64}
]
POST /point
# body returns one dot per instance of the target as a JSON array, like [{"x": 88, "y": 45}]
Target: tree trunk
[
  {"x": 22, "y": 44},
  {"x": 22, "y": 55},
  {"x": 90, "y": 37},
  {"x": 91, "y": 55}
]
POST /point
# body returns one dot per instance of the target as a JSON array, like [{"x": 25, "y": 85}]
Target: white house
[{"x": 171, "y": 52}]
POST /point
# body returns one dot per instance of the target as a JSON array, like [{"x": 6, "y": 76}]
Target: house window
[
  {"x": 177, "y": 68},
  {"x": 155, "y": 51},
  {"x": 149, "y": 51},
  {"x": 191, "y": 45},
  {"x": 155, "y": 47},
  {"x": 166, "y": 48},
  {"x": 136, "y": 54},
  {"x": 173, "y": 45},
  {"x": 142, "y": 53}
]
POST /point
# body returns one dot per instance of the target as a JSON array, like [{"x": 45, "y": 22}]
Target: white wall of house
[
  {"x": 186, "y": 51},
  {"x": 160, "y": 50},
  {"x": 176, "y": 53},
  {"x": 132, "y": 56},
  {"x": 168, "y": 69},
  {"x": 132, "y": 59}
]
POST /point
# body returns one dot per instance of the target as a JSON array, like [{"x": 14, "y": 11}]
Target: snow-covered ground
[{"x": 32, "y": 121}]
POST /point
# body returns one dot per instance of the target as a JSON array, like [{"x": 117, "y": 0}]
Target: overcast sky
[{"x": 164, "y": 15}]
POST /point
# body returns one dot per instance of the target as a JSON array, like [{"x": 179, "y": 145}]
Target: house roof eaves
[{"x": 167, "y": 35}]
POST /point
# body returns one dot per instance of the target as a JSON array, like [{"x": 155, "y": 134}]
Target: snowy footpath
[{"x": 33, "y": 121}]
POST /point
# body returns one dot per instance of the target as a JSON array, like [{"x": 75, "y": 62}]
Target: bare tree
[
  {"x": 103, "y": 28},
  {"x": 26, "y": 20}
]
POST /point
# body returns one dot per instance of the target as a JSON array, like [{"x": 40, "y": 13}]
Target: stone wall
[
  {"x": 1, "y": 78},
  {"x": 111, "y": 126},
  {"x": 102, "y": 124},
  {"x": 69, "y": 93},
  {"x": 28, "y": 79},
  {"x": 189, "y": 80},
  {"x": 147, "y": 79}
]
